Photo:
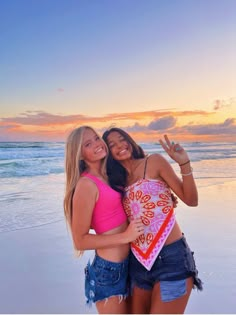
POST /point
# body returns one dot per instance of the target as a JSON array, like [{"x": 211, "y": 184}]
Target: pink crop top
[{"x": 108, "y": 212}]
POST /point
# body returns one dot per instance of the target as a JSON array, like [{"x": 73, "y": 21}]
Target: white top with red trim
[{"x": 151, "y": 201}]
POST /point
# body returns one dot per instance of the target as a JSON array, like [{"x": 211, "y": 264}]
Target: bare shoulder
[
  {"x": 159, "y": 166},
  {"x": 156, "y": 158},
  {"x": 155, "y": 164},
  {"x": 84, "y": 185}
]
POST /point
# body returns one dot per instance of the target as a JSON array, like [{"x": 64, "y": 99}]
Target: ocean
[{"x": 32, "y": 177}]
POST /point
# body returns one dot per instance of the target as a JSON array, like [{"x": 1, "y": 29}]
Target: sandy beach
[{"x": 39, "y": 273}]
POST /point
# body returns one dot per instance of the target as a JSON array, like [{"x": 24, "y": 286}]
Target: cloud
[
  {"x": 37, "y": 125},
  {"x": 219, "y": 104},
  {"x": 162, "y": 123},
  {"x": 60, "y": 90},
  {"x": 42, "y": 118},
  {"x": 6, "y": 127},
  {"x": 229, "y": 122},
  {"x": 156, "y": 114},
  {"x": 228, "y": 127},
  {"x": 136, "y": 128}
]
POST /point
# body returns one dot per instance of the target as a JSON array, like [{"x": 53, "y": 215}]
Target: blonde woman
[{"x": 90, "y": 203}]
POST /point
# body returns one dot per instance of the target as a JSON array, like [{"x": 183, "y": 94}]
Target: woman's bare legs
[
  {"x": 141, "y": 301},
  {"x": 149, "y": 301},
  {"x": 176, "y": 306},
  {"x": 113, "y": 305}
]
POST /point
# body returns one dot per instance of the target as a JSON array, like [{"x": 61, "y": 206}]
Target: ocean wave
[
  {"x": 26, "y": 145},
  {"x": 31, "y": 167},
  {"x": 21, "y": 159}
]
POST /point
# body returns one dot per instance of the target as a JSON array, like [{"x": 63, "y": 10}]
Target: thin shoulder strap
[{"x": 145, "y": 166}]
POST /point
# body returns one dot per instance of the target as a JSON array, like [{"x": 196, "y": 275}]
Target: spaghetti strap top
[
  {"x": 150, "y": 200},
  {"x": 145, "y": 167}
]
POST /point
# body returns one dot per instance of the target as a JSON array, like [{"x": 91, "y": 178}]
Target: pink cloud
[
  {"x": 41, "y": 118},
  {"x": 40, "y": 125}
]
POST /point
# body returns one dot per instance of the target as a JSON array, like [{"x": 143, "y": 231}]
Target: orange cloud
[
  {"x": 155, "y": 114},
  {"x": 40, "y": 125},
  {"x": 39, "y": 118}
]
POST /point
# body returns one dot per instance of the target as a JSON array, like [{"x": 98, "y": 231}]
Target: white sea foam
[{"x": 19, "y": 159}]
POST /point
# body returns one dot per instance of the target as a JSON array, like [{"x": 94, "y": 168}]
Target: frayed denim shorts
[
  {"x": 173, "y": 266},
  {"x": 104, "y": 279}
]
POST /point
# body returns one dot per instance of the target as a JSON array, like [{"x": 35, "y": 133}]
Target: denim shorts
[
  {"x": 173, "y": 266},
  {"x": 104, "y": 279}
]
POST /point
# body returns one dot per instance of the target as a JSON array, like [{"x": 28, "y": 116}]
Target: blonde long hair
[{"x": 75, "y": 166}]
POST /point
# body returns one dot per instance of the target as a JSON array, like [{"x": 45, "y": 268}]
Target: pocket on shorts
[
  {"x": 173, "y": 256},
  {"x": 106, "y": 275}
]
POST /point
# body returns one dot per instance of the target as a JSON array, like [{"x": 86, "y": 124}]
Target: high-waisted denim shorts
[
  {"x": 104, "y": 279},
  {"x": 173, "y": 266}
]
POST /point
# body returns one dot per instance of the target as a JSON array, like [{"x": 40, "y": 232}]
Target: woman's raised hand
[{"x": 174, "y": 150}]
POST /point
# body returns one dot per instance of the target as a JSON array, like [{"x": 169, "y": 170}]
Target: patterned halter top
[{"x": 151, "y": 201}]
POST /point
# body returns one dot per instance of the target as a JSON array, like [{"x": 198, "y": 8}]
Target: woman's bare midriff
[
  {"x": 120, "y": 252},
  {"x": 175, "y": 234},
  {"x": 117, "y": 253}
]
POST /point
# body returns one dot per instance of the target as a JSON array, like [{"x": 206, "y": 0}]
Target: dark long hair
[{"x": 117, "y": 174}]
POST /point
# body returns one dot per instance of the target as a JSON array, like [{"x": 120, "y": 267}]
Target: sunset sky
[{"x": 149, "y": 66}]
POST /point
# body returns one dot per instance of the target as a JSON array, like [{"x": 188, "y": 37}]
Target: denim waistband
[
  {"x": 169, "y": 247},
  {"x": 99, "y": 261}
]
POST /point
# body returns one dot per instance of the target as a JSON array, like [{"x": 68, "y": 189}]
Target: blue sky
[{"x": 103, "y": 57}]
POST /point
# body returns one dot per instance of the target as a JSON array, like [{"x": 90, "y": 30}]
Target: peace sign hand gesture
[{"x": 174, "y": 150}]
